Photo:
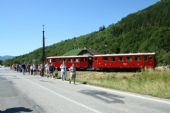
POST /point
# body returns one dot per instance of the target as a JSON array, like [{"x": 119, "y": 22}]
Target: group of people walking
[
  {"x": 50, "y": 70},
  {"x": 32, "y": 69}
]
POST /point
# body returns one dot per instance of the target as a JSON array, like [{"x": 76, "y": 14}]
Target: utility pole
[{"x": 43, "y": 53}]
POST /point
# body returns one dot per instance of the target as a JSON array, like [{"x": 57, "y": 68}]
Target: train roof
[
  {"x": 70, "y": 56},
  {"x": 122, "y": 54},
  {"x": 126, "y": 54}
]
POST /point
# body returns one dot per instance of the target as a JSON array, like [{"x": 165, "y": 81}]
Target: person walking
[
  {"x": 34, "y": 69},
  {"x": 51, "y": 70},
  {"x": 55, "y": 73},
  {"x": 63, "y": 69},
  {"x": 47, "y": 68},
  {"x": 23, "y": 67},
  {"x": 72, "y": 74},
  {"x": 41, "y": 69},
  {"x": 31, "y": 69}
]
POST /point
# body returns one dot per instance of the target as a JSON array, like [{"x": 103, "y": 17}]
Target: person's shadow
[{"x": 16, "y": 110}]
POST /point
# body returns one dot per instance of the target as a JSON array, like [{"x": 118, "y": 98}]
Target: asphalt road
[{"x": 34, "y": 94}]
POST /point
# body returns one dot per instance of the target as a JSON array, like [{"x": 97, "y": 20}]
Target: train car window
[
  {"x": 60, "y": 60},
  {"x": 105, "y": 59},
  {"x": 57, "y": 60},
  {"x": 69, "y": 59},
  {"x": 150, "y": 57},
  {"x": 85, "y": 59},
  {"x": 120, "y": 59},
  {"x": 145, "y": 58},
  {"x": 53, "y": 60},
  {"x": 64, "y": 59},
  {"x": 77, "y": 60},
  {"x": 81, "y": 59},
  {"x": 137, "y": 58},
  {"x": 95, "y": 59},
  {"x": 129, "y": 58},
  {"x": 112, "y": 59}
]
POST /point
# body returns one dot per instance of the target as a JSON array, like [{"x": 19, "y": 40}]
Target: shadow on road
[
  {"x": 104, "y": 96},
  {"x": 16, "y": 110}
]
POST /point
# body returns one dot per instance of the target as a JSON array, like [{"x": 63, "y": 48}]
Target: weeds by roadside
[{"x": 148, "y": 82}]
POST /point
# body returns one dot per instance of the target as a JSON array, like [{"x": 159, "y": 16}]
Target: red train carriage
[
  {"x": 124, "y": 61},
  {"x": 80, "y": 62},
  {"x": 106, "y": 61}
]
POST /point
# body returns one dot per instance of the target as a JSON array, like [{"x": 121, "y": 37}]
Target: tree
[{"x": 101, "y": 28}]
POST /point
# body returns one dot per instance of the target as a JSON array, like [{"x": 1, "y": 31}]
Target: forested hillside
[{"x": 147, "y": 30}]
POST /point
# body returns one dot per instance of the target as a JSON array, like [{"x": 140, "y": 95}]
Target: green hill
[{"x": 147, "y": 30}]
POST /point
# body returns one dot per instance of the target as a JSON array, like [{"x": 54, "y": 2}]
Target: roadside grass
[{"x": 149, "y": 82}]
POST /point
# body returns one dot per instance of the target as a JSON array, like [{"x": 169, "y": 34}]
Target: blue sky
[{"x": 21, "y": 20}]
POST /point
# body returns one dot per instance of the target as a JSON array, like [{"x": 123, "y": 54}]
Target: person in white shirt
[
  {"x": 63, "y": 71},
  {"x": 72, "y": 74}
]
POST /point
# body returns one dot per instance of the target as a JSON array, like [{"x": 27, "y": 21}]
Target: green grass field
[{"x": 149, "y": 82}]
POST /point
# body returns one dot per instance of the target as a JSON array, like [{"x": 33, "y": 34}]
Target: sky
[{"x": 21, "y": 20}]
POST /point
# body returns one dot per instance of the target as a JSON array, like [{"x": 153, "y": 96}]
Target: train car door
[{"x": 90, "y": 62}]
